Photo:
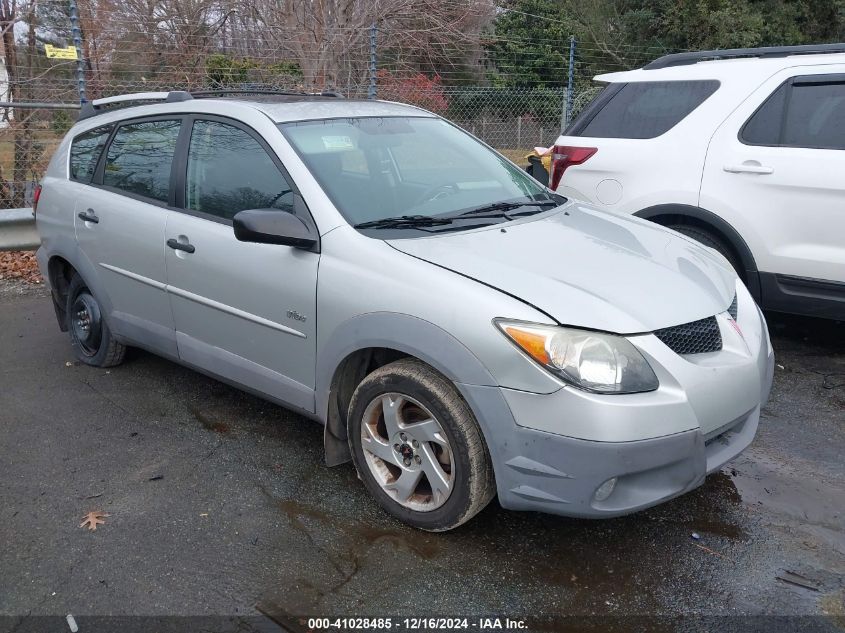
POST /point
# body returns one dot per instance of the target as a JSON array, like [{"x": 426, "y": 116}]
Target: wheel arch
[
  {"x": 369, "y": 341},
  {"x": 667, "y": 214},
  {"x": 63, "y": 259},
  {"x": 59, "y": 273}
]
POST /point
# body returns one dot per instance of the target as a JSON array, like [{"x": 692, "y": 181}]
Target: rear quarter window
[
  {"x": 85, "y": 151},
  {"x": 642, "y": 110}
]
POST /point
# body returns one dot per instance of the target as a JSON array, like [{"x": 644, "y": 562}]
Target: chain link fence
[
  {"x": 512, "y": 120},
  {"x": 123, "y": 52}
]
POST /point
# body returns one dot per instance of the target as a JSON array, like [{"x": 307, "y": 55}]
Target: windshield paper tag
[{"x": 337, "y": 142}]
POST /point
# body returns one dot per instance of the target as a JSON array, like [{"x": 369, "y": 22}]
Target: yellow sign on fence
[{"x": 60, "y": 53}]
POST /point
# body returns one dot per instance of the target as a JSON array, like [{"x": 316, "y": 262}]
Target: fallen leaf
[
  {"x": 93, "y": 519},
  {"x": 20, "y": 265}
]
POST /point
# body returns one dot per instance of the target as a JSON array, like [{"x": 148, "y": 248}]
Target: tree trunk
[{"x": 23, "y": 122}]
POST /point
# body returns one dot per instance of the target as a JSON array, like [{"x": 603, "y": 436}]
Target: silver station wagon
[{"x": 460, "y": 330}]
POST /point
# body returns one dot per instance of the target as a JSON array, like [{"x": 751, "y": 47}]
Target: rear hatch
[{"x": 625, "y": 131}]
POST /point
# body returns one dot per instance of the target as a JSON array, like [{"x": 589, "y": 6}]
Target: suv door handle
[
  {"x": 176, "y": 245},
  {"x": 88, "y": 216},
  {"x": 750, "y": 167}
]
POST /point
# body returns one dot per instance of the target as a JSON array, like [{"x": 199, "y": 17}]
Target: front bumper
[
  {"x": 552, "y": 452},
  {"x": 544, "y": 472}
]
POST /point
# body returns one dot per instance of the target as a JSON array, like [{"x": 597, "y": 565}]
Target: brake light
[
  {"x": 35, "y": 196},
  {"x": 563, "y": 157}
]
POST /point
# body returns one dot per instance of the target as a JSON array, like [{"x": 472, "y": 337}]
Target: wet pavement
[{"x": 219, "y": 505}]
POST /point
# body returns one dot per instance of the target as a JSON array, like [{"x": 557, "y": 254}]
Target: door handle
[
  {"x": 88, "y": 216},
  {"x": 176, "y": 245},
  {"x": 749, "y": 168}
]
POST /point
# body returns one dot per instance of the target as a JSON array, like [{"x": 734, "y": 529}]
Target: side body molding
[{"x": 401, "y": 332}]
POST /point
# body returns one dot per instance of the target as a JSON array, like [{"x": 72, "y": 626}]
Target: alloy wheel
[{"x": 407, "y": 452}]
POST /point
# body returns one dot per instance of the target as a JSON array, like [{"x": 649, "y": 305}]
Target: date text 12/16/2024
[{"x": 417, "y": 624}]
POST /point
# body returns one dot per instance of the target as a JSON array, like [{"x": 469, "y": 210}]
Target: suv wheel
[
  {"x": 90, "y": 337},
  {"x": 708, "y": 238},
  {"x": 418, "y": 448}
]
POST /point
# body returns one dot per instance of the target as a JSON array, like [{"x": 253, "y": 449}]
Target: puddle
[
  {"x": 786, "y": 489},
  {"x": 634, "y": 565},
  {"x": 218, "y": 426},
  {"x": 423, "y": 545},
  {"x": 499, "y": 550}
]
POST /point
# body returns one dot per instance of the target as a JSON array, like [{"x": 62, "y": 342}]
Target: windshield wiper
[
  {"x": 403, "y": 222},
  {"x": 500, "y": 209}
]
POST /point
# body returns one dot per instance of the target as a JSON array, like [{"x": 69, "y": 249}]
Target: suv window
[
  {"x": 764, "y": 126},
  {"x": 644, "y": 110},
  {"x": 805, "y": 112},
  {"x": 815, "y": 116},
  {"x": 229, "y": 171},
  {"x": 85, "y": 151},
  {"x": 140, "y": 156}
]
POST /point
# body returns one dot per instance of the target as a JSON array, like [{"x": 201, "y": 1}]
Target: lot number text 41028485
[{"x": 418, "y": 624}]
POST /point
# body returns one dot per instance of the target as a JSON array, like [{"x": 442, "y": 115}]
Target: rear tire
[
  {"x": 425, "y": 460},
  {"x": 90, "y": 336},
  {"x": 708, "y": 238}
]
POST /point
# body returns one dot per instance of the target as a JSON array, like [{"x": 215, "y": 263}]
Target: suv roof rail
[
  {"x": 95, "y": 107},
  {"x": 684, "y": 59},
  {"x": 262, "y": 91}
]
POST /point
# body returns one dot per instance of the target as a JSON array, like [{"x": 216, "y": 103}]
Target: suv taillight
[
  {"x": 563, "y": 157},
  {"x": 35, "y": 196}
]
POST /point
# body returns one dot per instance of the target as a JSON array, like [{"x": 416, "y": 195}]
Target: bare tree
[{"x": 329, "y": 38}]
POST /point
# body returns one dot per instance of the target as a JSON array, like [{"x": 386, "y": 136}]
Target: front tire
[
  {"x": 418, "y": 448},
  {"x": 90, "y": 336}
]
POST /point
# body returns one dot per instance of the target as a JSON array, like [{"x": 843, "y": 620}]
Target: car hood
[{"x": 589, "y": 268}]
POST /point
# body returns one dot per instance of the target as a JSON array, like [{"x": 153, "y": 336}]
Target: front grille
[{"x": 697, "y": 337}]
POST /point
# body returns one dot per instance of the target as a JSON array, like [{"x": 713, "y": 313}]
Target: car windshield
[{"x": 411, "y": 169}]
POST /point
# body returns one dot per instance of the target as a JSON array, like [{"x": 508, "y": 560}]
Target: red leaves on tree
[{"x": 419, "y": 90}]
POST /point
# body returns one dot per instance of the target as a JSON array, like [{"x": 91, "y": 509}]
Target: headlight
[{"x": 602, "y": 363}]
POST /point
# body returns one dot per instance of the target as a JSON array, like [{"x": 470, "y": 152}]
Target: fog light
[{"x": 605, "y": 490}]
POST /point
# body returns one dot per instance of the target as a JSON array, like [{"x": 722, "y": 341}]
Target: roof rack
[
  {"x": 685, "y": 59},
  {"x": 95, "y": 107},
  {"x": 262, "y": 91}
]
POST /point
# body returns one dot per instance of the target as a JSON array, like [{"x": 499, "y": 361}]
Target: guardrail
[{"x": 17, "y": 230}]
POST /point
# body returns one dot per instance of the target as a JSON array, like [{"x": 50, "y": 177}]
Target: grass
[
  {"x": 516, "y": 155},
  {"x": 46, "y": 142}
]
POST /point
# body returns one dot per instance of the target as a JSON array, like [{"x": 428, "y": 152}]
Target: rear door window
[
  {"x": 815, "y": 116},
  {"x": 805, "y": 112},
  {"x": 140, "y": 156},
  {"x": 643, "y": 110},
  {"x": 85, "y": 151}
]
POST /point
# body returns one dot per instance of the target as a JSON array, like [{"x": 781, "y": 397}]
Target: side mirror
[{"x": 271, "y": 226}]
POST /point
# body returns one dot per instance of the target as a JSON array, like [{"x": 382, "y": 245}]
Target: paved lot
[{"x": 219, "y": 505}]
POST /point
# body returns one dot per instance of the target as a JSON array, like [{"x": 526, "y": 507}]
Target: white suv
[{"x": 743, "y": 150}]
